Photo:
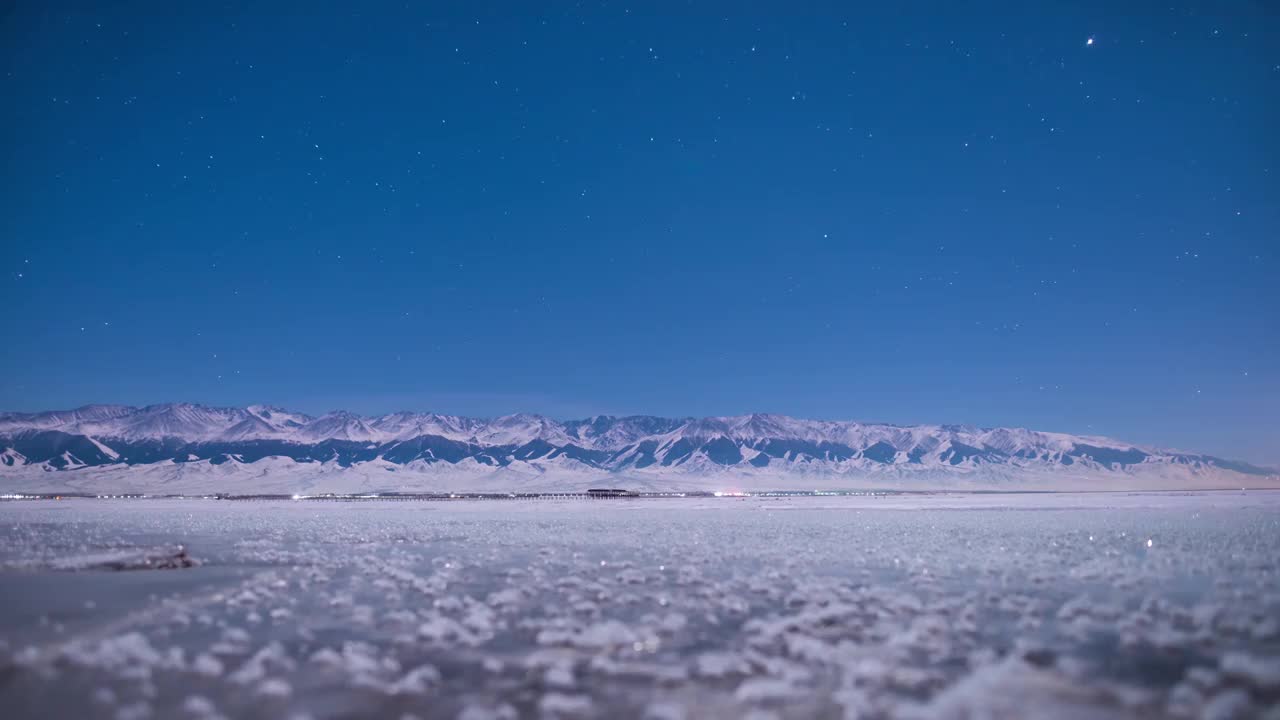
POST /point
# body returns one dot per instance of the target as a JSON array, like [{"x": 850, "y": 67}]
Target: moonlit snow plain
[{"x": 1104, "y": 605}]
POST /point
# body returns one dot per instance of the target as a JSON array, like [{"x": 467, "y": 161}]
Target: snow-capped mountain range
[{"x": 180, "y": 447}]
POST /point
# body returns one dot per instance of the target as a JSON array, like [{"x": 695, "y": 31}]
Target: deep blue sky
[{"x": 904, "y": 212}]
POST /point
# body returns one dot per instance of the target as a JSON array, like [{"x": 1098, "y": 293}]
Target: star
[{"x": 1089, "y": 41}]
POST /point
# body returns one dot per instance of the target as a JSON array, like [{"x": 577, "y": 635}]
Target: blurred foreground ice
[{"x": 1089, "y": 606}]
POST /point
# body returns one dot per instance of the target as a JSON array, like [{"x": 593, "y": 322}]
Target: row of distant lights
[
  {"x": 21, "y": 496},
  {"x": 331, "y": 496},
  {"x": 718, "y": 493},
  {"x": 792, "y": 493}
]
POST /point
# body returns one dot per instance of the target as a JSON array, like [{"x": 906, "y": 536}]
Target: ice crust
[{"x": 796, "y": 608}]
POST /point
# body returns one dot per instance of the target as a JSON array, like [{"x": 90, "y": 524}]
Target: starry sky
[{"x": 1055, "y": 215}]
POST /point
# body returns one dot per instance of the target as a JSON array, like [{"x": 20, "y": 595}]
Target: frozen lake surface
[{"x": 936, "y": 606}]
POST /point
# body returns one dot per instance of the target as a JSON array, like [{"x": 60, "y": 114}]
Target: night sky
[{"x": 1054, "y": 215}]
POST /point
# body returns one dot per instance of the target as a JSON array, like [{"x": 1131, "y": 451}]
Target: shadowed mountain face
[{"x": 96, "y": 436}]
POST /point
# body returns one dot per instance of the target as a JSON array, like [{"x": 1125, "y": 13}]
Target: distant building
[{"x": 611, "y": 493}]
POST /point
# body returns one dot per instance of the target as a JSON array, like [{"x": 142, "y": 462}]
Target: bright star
[{"x": 1089, "y": 41}]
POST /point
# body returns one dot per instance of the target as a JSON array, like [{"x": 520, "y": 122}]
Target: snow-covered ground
[
  {"x": 281, "y": 475},
  {"x": 934, "y": 606}
]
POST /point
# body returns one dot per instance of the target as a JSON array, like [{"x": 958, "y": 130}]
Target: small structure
[{"x": 611, "y": 493}]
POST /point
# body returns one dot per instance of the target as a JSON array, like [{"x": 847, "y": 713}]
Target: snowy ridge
[{"x": 169, "y": 444}]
